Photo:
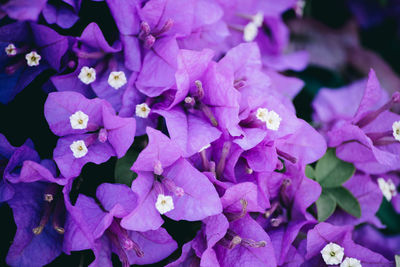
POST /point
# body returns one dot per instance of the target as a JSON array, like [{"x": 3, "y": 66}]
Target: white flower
[
  {"x": 332, "y": 254},
  {"x": 250, "y": 32},
  {"x": 262, "y": 114},
  {"x": 258, "y": 19},
  {"x": 396, "y": 130},
  {"x": 387, "y": 187},
  {"x": 351, "y": 262},
  {"x": 87, "y": 75},
  {"x": 117, "y": 79},
  {"x": 142, "y": 110},
  {"x": 32, "y": 59},
  {"x": 79, "y": 120},
  {"x": 79, "y": 149},
  {"x": 164, "y": 203},
  {"x": 11, "y": 50},
  {"x": 273, "y": 120}
]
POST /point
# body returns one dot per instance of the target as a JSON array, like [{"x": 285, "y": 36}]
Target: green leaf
[
  {"x": 310, "y": 173},
  {"x": 331, "y": 171},
  {"x": 397, "y": 259},
  {"x": 122, "y": 172},
  {"x": 326, "y": 205},
  {"x": 345, "y": 199}
]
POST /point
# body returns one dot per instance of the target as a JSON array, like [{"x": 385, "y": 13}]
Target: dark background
[{"x": 23, "y": 118}]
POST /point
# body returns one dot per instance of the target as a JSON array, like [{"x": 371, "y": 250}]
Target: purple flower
[
  {"x": 367, "y": 137},
  {"x": 39, "y": 213},
  {"x": 90, "y": 131},
  {"x": 64, "y": 14},
  {"x": 324, "y": 233},
  {"x": 23, "y": 9},
  {"x": 27, "y": 50},
  {"x": 168, "y": 183},
  {"x": 101, "y": 231},
  {"x": 11, "y": 160}
]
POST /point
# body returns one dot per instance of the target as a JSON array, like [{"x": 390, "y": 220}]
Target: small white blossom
[
  {"x": 273, "y": 120},
  {"x": 11, "y": 50},
  {"x": 258, "y": 19},
  {"x": 332, "y": 254},
  {"x": 142, "y": 110},
  {"x": 164, "y": 203},
  {"x": 250, "y": 32},
  {"x": 117, "y": 79},
  {"x": 32, "y": 59},
  {"x": 387, "y": 187},
  {"x": 79, "y": 120},
  {"x": 79, "y": 149},
  {"x": 87, "y": 75},
  {"x": 262, "y": 114},
  {"x": 351, "y": 262},
  {"x": 396, "y": 130}
]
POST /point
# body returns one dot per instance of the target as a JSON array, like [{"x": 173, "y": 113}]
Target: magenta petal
[
  {"x": 60, "y": 106},
  {"x": 192, "y": 206},
  {"x": 119, "y": 199},
  {"x": 246, "y": 191},
  {"x": 120, "y": 131},
  {"x": 144, "y": 217},
  {"x": 160, "y": 148},
  {"x": 69, "y": 165}
]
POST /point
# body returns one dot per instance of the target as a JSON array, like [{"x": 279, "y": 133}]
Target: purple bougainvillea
[{"x": 181, "y": 112}]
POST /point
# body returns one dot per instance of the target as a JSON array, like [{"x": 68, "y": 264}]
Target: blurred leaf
[
  {"x": 389, "y": 217},
  {"x": 331, "y": 171},
  {"x": 310, "y": 173},
  {"x": 122, "y": 173},
  {"x": 345, "y": 199},
  {"x": 326, "y": 205}
]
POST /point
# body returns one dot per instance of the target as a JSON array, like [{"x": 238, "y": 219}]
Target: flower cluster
[{"x": 196, "y": 90}]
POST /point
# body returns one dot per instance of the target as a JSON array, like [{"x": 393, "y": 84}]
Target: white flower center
[
  {"x": 11, "y": 50},
  {"x": 387, "y": 187},
  {"x": 79, "y": 120},
  {"x": 250, "y": 31},
  {"x": 87, "y": 75},
  {"x": 396, "y": 130},
  {"x": 164, "y": 203},
  {"x": 142, "y": 110},
  {"x": 273, "y": 120},
  {"x": 117, "y": 79},
  {"x": 350, "y": 262},
  {"x": 262, "y": 114},
  {"x": 79, "y": 149},
  {"x": 332, "y": 254},
  {"x": 32, "y": 59}
]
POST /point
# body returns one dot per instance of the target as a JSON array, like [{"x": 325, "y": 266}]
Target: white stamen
[
  {"x": 11, "y": 50},
  {"x": 299, "y": 8},
  {"x": 117, "y": 79},
  {"x": 262, "y": 114},
  {"x": 188, "y": 100},
  {"x": 164, "y": 203},
  {"x": 204, "y": 147},
  {"x": 258, "y": 19},
  {"x": 32, "y": 59},
  {"x": 387, "y": 187},
  {"x": 87, "y": 75},
  {"x": 250, "y": 32},
  {"x": 79, "y": 149},
  {"x": 249, "y": 170},
  {"x": 273, "y": 120},
  {"x": 396, "y": 130},
  {"x": 332, "y": 254},
  {"x": 350, "y": 262},
  {"x": 79, "y": 120},
  {"x": 142, "y": 110}
]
